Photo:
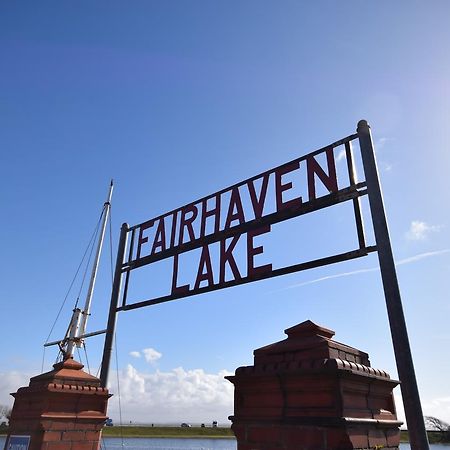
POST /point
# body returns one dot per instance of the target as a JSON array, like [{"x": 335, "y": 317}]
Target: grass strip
[
  {"x": 434, "y": 437},
  {"x": 160, "y": 432}
]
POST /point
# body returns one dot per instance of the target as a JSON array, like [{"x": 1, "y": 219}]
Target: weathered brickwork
[
  {"x": 309, "y": 392},
  {"x": 64, "y": 409}
]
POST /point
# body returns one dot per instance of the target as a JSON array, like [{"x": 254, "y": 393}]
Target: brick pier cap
[
  {"x": 64, "y": 409},
  {"x": 310, "y": 392}
]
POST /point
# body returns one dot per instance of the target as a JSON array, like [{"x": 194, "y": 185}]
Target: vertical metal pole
[
  {"x": 87, "y": 306},
  {"x": 72, "y": 333},
  {"x": 356, "y": 201},
  {"x": 410, "y": 393},
  {"x": 111, "y": 327}
]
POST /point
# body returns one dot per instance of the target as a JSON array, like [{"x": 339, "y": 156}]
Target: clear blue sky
[{"x": 176, "y": 100}]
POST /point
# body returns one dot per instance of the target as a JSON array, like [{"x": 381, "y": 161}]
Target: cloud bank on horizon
[
  {"x": 179, "y": 395},
  {"x": 182, "y": 395}
]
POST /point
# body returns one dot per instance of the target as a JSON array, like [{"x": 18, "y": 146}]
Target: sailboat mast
[
  {"x": 87, "y": 306},
  {"x": 72, "y": 333},
  {"x": 76, "y": 331}
]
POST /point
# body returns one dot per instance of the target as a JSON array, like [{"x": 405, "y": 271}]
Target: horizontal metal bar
[
  {"x": 248, "y": 180},
  {"x": 49, "y": 344},
  {"x": 274, "y": 273},
  {"x": 335, "y": 198},
  {"x": 94, "y": 333}
]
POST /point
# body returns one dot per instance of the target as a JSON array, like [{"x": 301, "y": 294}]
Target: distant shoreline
[
  {"x": 161, "y": 432},
  {"x": 168, "y": 432}
]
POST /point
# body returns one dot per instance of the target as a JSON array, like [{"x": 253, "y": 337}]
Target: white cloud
[
  {"x": 438, "y": 407},
  {"x": 10, "y": 382},
  {"x": 151, "y": 355},
  {"x": 341, "y": 155},
  {"x": 173, "y": 397},
  {"x": 381, "y": 143},
  {"x": 418, "y": 231}
]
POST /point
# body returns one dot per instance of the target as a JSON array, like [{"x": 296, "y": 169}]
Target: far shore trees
[
  {"x": 5, "y": 413},
  {"x": 435, "y": 424}
]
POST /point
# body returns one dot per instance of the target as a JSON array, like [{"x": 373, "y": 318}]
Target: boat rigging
[{"x": 76, "y": 331}]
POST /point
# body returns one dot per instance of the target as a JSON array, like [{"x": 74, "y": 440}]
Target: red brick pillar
[
  {"x": 63, "y": 409},
  {"x": 310, "y": 392}
]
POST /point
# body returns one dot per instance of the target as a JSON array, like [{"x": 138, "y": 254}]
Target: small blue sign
[{"x": 18, "y": 443}]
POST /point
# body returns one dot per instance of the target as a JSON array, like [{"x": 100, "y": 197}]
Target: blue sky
[{"x": 176, "y": 100}]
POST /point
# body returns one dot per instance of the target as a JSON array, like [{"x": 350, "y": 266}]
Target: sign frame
[{"x": 371, "y": 187}]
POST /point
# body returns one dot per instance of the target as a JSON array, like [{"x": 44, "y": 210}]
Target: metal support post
[
  {"x": 410, "y": 393},
  {"x": 111, "y": 327}
]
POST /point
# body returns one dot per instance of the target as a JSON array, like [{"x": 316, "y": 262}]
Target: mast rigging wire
[
  {"x": 91, "y": 246},
  {"x": 90, "y": 255},
  {"x": 75, "y": 277},
  {"x": 87, "y": 360}
]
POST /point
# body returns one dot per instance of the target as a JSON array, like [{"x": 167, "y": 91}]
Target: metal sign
[
  {"x": 243, "y": 213},
  {"x": 18, "y": 443},
  {"x": 226, "y": 218}
]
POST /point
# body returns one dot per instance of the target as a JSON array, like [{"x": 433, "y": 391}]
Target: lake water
[
  {"x": 188, "y": 444},
  {"x": 197, "y": 444},
  {"x": 169, "y": 444}
]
